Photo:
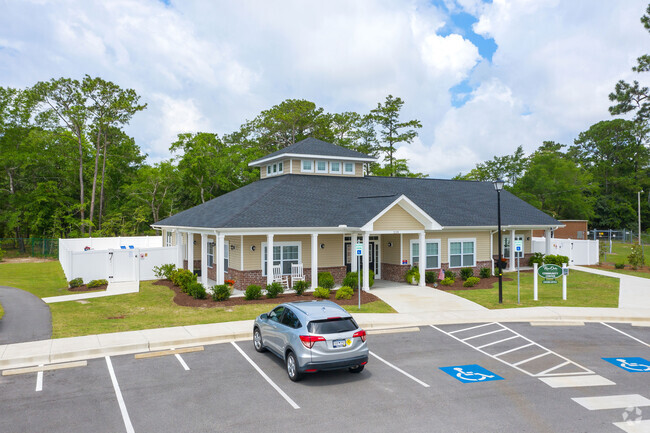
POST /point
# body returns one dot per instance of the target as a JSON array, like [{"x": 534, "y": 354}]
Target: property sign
[{"x": 549, "y": 273}]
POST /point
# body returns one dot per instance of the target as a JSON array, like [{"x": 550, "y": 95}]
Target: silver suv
[{"x": 312, "y": 336}]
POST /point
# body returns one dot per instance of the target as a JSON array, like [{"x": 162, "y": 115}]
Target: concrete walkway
[
  {"x": 634, "y": 292},
  {"x": 26, "y": 318},
  {"x": 113, "y": 289}
]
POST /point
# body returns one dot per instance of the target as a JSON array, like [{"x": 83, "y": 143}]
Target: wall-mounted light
[
  {"x": 252, "y": 247},
  {"x": 322, "y": 246},
  {"x": 193, "y": 242},
  {"x": 232, "y": 247},
  {"x": 390, "y": 244}
]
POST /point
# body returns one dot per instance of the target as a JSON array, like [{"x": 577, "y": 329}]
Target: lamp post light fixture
[{"x": 498, "y": 186}]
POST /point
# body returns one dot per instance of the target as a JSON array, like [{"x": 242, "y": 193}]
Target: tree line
[
  {"x": 597, "y": 177},
  {"x": 69, "y": 169}
]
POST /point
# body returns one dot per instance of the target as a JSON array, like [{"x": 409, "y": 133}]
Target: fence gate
[{"x": 121, "y": 265}]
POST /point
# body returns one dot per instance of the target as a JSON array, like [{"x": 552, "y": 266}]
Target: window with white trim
[
  {"x": 335, "y": 167},
  {"x": 269, "y": 169},
  {"x": 284, "y": 254},
  {"x": 226, "y": 256},
  {"x": 506, "y": 246},
  {"x": 210, "y": 254},
  {"x": 307, "y": 166},
  {"x": 348, "y": 167},
  {"x": 169, "y": 239},
  {"x": 274, "y": 169},
  {"x": 432, "y": 253},
  {"x": 321, "y": 166},
  {"x": 462, "y": 252}
]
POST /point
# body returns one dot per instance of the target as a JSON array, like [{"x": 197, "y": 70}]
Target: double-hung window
[
  {"x": 335, "y": 167},
  {"x": 307, "y": 166},
  {"x": 284, "y": 254},
  {"x": 348, "y": 167},
  {"x": 321, "y": 166},
  {"x": 226, "y": 256},
  {"x": 507, "y": 251},
  {"x": 432, "y": 255},
  {"x": 169, "y": 239},
  {"x": 462, "y": 253},
  {"x": 211, "y": 254}
]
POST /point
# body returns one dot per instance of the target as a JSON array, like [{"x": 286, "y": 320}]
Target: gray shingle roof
[
  {"x": 314, "y": 146},
  {"x": 295, "y": 200}
]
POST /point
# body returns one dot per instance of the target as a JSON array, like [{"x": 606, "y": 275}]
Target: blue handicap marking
[
  {"x": 470, "y": 373},
  {"x": 631, "y": 364}
]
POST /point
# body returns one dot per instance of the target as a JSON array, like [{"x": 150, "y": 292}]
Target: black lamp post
[{"x": 498, "y": 185}]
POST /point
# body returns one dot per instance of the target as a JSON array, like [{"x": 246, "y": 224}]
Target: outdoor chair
[
  {"x": 279, "y": 278},
  {"x": 296, "y": 273}
]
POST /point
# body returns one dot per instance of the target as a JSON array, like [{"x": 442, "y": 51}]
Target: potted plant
[
  {"x": 412, "y": 276},
  {"x": 230, "y": 283}
]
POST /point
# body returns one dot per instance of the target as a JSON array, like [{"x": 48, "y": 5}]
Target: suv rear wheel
[
  {"x": 357, "y": 369},
  {"x": 292, "y": 367}
]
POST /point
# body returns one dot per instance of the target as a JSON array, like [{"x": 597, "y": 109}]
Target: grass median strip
[
  {"x": 168, "y": 352},
  {"x": 48, "y": 367}
]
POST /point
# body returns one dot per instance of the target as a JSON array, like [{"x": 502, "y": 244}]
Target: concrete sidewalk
[
  {"x": 113, "y": 289},
  {"x": 95, "y": 346},
  {"x": 634, "y": 291}
]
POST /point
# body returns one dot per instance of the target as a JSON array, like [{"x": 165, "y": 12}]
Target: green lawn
[
  {"x": 619, "y": 254},
  {"x": 42, "y": 279},
  {"x": 2, "y": 312},
  {"x": 583, "y": 290},
  {"x": 152, "y": 307}
]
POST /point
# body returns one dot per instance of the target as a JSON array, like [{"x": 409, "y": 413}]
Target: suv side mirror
[{"x": 264, "y": 316}]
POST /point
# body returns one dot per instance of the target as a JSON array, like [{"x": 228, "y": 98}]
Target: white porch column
[
  {"x": 353, "y": 257},
  {"x": 179, "y": 249},
  {"x": 547, "y": 235},
  {"x": 366, "y": 261},
  {"x": 204, "y": 260},
  {"x": 422, "y": 266},
  {"x": 269, "y": 259},
  {"x": 314, "y": 260},
  {"x": 190, "y": 251},
  {"x": 512, "y": 251},
  {"x": 219, "y": 257}
]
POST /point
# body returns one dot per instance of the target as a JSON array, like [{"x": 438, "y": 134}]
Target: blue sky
[{"x": 482, "y": 77}]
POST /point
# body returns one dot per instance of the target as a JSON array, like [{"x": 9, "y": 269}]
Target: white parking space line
[
  {"x": 472, "y": 327},
  {"x": 576, "y": 381},
  {"x": 542, "y": 373},
  {"x": 182, "y": 362},
  {"x": 39, "y": 380},
  {"x": 636, "y": 426},
  {"x": 627, "y": 335},
  {"x": 497, "y": 342},
  {"x": 399, "y": 369},
  {"x": 518, "y": 335},
  {"x": 268, "y": 379},
  {"x": 532, "y": 359},
  {"x": 120, "y": 399},
  {"x": 612, "y": 401},
  {"x": 483, "y": 335}
]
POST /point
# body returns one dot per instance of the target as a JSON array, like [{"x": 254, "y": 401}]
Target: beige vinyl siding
[
  {"x": 482, "y": 246},
  {"x": 397, "y": 219},
  {"x": 331, "y": 255},
  {"x": 390, "y": 254},
  {"x": 358, "y": 169},
  {"x": 252, "y": 258},
  {"x": 296, "y": 166},
  {"x": 263, "y": 172},
  {"x": 234, "y": 257}
]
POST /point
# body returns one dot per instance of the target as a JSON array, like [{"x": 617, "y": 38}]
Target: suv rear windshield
[{"x": 332, "y": 326}]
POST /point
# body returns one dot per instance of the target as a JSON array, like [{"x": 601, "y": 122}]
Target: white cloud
[{"x": 450, "y": 56}]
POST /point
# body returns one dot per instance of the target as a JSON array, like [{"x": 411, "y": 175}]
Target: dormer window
[
  {"x": 321, "y": 166},
  {"x": 335, "y": 167},
  {"x": 274, "y": 169},
  {"x": 307, "y": 166},
  {"x": 348, "y": 167}
]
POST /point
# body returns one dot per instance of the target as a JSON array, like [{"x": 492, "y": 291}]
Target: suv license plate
[{"x": 338, "y": 343}]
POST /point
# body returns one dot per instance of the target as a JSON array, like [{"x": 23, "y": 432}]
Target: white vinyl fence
[
  {"x": 579, "y": 251},
  {"x": 104, "y": 258}
]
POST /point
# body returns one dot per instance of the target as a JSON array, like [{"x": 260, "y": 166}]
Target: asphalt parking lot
[{"x": 504, "y": 377}]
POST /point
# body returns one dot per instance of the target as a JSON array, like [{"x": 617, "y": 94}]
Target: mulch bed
[
  {"x": 485, "y": 283},
  {"x": 85, "y": 288},
  {"x": 185, "y": 300}
]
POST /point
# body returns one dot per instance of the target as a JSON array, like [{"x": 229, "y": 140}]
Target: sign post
[
  {"x": 535, "y": 281},
  {"x": 359, "y": 252},
  {"x": 519, "y": 247},
  {"x": 565, "y": 272}
]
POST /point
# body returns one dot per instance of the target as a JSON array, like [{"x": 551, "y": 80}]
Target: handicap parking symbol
[
  {"x": 631, "y": 364},
  {"x": 470, "y": 373}
]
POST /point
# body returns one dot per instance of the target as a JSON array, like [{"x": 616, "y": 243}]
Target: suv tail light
[
  {"x": 309, "y": 340},
  {"x": 361, "y": 334}
]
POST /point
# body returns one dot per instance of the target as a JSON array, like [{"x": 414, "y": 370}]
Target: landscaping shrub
[
  {"x": 429, "y": 277},
  {"x": 300, "y": 287},
  {"x": 344, "y": 292},
  {"x": 164, "y": 271},
  {"x": 196, "y": 290},
  {"x": 412, "y": 275},
  {"x": 450, "y": 274},
  {"x": 465, "y": 273},
  {"x": 183, "y": 278},
  {"x": 96, "y": 283},
  {"x": 274, "y": 289},
  {"x": 447, "y": 281},
  {"x": 221, "y": 292},
  {"x": 471, "y": 282},
  {"x": 536, "y": 258},
  {"x": 350, "y": 279},
  {"x": 636, "y": 258},
  {"x": 322, "y": 292},
  {"x": 325, "y": 280},
  {"x": 552, "y": 259},
  {"x": 253, "y": 292},
  {"x": 619, "y": 265},
  {"x": 485, "y": 272},
  {"x": 76, "y": 282}
]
